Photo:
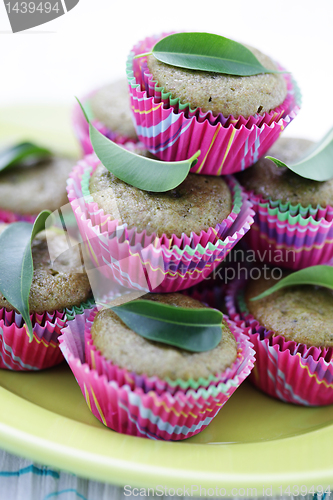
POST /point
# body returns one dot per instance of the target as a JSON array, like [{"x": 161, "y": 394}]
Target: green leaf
[
  {"x": 315, "y": 275},
  {"x": 144, "y": 173},
  {"x": 207, "y": 52},
  {"x": 317, "y": 165},
  {"x": 195, "y": 330},
  {"x": 22, "y": 152},
  {"x": 16, "y": 265}
]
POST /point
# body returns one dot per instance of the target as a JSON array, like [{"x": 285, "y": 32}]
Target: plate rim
[{"x": 274, "y": 463}]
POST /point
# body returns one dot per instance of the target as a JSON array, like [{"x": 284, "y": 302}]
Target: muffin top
[
  {"x": 129, "y": 350},
  {"x": 220, "y": 93},
  {"x": 29, "y": 190},
  {"x": 303, "y": 314},
  {"x": 280, "y": 183},
  {"x": 57, "y": 285},
  {"x": 111, "y": 106},
  {"x": 197, "y": 204}
]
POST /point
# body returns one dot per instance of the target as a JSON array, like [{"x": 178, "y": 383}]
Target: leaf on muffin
[
  {"x": 207, "y": 52},
  {"x": 16, "y": 265},
  {"x": 315, "y": 275},
  {"x": 25, "y": 153},
  {"x": 317, "y": 165},
  {"x": 195, "y": 330},
  {"x": 138, "y": 171}
]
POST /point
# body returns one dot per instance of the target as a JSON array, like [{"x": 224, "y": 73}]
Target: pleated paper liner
[
  {"x": 17, "y": 353},
  {"x": 286, "y": 370},
  {"x": 81, "y": 127},
  {"x": 146, "y": 262},
  {"x": 294, "y": 237},
  {"x": 98, "y": 362},
  {"x": 211, "y": 235},
  {"x": 163, "y": 416},
  {"x": 73, "y": 311},
  {"x": 173, "y": 131},
  {"x": 8, "y": 217},
  {"x": 212, "y": 291}
]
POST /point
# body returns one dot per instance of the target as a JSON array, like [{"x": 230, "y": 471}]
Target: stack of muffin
[
  {"x": 59, "y": 289},
  {"x": 134, "y": 385},
  {"x": 159, "y": 244},
  {"x": 163, "y": 243},
  {"x": 291, "y": 329}
]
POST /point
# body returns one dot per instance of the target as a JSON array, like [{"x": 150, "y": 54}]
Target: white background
[{"x": 88, "y": 47}]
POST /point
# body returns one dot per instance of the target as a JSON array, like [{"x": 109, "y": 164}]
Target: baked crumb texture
[
  {"x": 279, "y": 183},
  {"x": 57, "y": 285},
  {"x": 110, "y": 105},
  {"x": 197, "y": 204},
  {"x": 129, "y": 350},
  {"x": 226, "y": 94},
  {"x": 303, "y": 314},
  {"x": 29, "y": 190}
]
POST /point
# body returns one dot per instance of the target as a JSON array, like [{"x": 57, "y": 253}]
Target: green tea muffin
[
  {"x": 129, "y": 350},
  {"x": 58, "y": 285},
  {"x": 197, "y": 204},
  {"x": 268, "y": 181},
  {"x": 27, "y": 190},
  {"x": 302, "y": 314},
  {"x": 110, "y": 105},
  {"x": 220, "y": 93}
]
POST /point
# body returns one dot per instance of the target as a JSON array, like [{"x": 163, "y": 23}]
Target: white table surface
[{"x": 22, "y": 479}]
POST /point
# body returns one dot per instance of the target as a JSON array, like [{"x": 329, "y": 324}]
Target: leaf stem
[
  {"x": 83, "y": 110},
  {"x": 142, "y": 55}
]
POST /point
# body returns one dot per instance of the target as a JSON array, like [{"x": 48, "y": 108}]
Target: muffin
[
  {"x": 291, "y": 331},
  {"x": 110, "y": 113},
  {"x": 157, "y": 242},
  {"x": 110, "y": 106},
  {"x": 231, "y": 120},
  {"x": 294, "y": 215},
  {"x": 135, "y": 403},
  {"x": 279, "y": 184},
  {"x": 27, "y": 190},
  {"x": 59, "y": 290},
  {"x": 228, "y": 95},
  {"x": 126, "y": 349},
  {"x": 301, "y": 314},
  {"x": 197, "y": 204}
]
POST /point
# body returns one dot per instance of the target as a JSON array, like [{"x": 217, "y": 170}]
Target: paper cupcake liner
[
  {"x": 291, "y": 236},
  {"x": 8, "y": 217},
  {"x": 81, "y": 128},
  {"x": 286, "y": 370},
  {"x": 98, "y": 362},
  {"x": 17, "y": 353},
  {"x": 163, "y": 416},
  {"x": 73, "y": 311},
  {"x": 146, "y": 262},
  {"x": 212, "y": 291},
  {"x": 174, "y": 132}
]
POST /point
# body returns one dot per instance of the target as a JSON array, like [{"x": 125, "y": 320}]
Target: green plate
[{"x": 254, "y": 442}]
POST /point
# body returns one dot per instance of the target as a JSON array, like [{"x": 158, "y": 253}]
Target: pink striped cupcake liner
[
  {"x": 149, "y": 414},
  {"x": 98, "y": 362},
  {"x": 18, "y": 353},
  {"x": 145, "y": 262},
  {"x": 286, "y": 370},
  {"x": 173, "y": 131},
  {"x": 8, "y": 217},
  {"x": 294, "y": 237},
  {"x": 81, "y": 129}
]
